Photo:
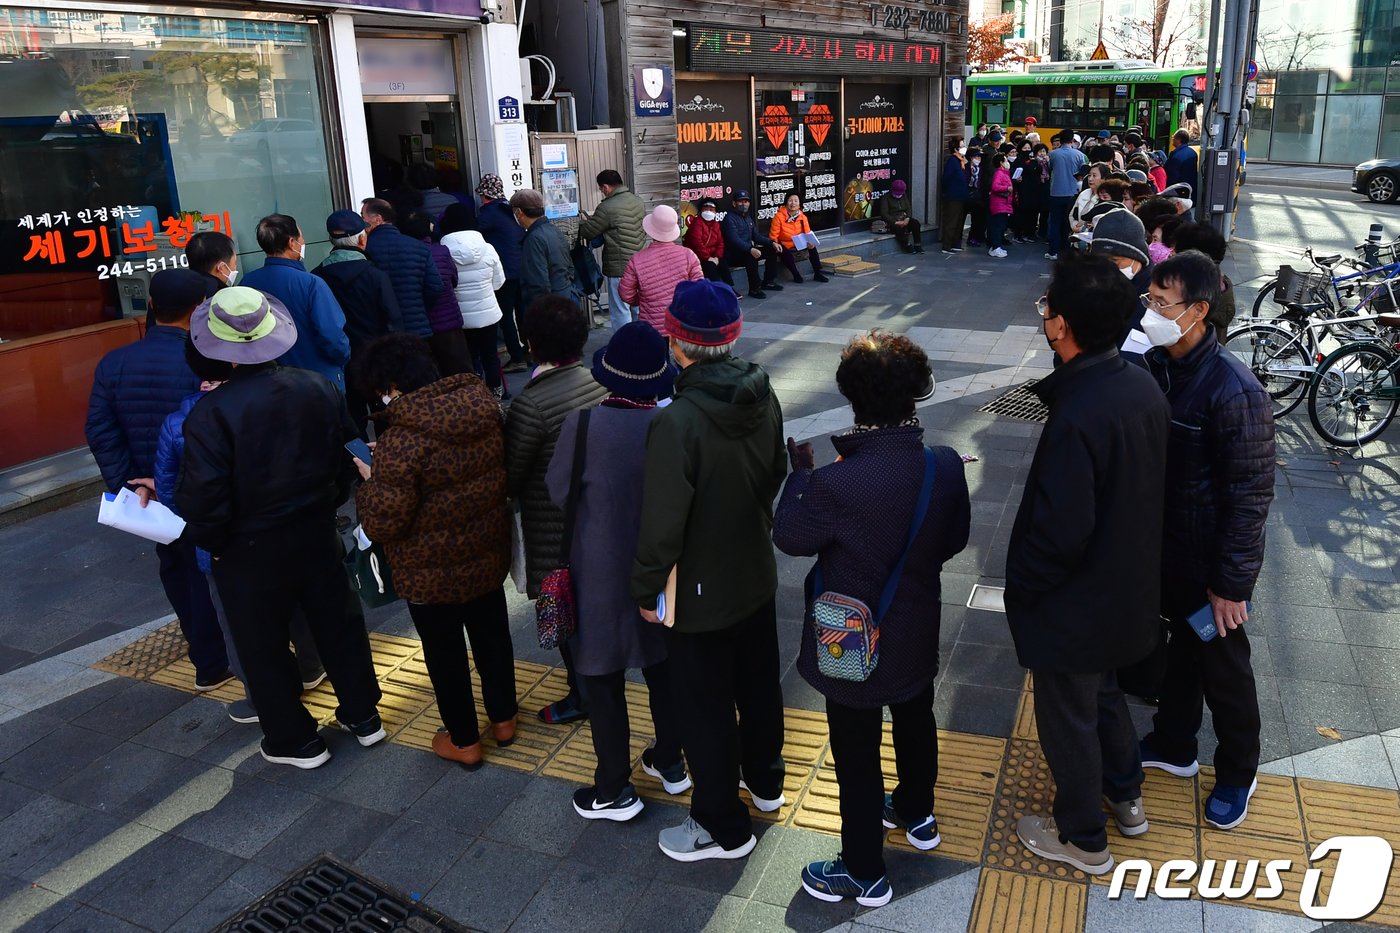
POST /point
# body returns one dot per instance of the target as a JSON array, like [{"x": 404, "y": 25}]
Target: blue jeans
[
  {"x": 1058, "y": 224},
  {"x": 619, "y": 311}
]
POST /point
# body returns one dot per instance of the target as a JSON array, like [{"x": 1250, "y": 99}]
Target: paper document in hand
[
  {"x": 154, "y": 523},
  {"x": 805, "y": 240},
  {"x": 666, "y": 602}
]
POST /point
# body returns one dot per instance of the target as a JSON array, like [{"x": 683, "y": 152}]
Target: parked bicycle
[{"x": 1355, "y": 393}]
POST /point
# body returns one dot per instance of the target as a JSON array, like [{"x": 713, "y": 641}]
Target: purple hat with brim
[
  {"x": 242, "y": 325},
  {"x": 635, "y": 363}
]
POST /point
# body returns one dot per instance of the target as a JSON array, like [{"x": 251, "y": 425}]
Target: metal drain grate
[
  {"x": 1019, "y": 403},
  {"x": 327, "y": 896}
]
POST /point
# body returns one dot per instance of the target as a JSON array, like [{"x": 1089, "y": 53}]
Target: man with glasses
[
  {"x": 1220, "y": 481},
  {"x": 321, "y": 345},
  {"x": 1082, "y": 566}
]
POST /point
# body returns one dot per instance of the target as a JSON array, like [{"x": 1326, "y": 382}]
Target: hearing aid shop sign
[{"x": 468, "y": 9}]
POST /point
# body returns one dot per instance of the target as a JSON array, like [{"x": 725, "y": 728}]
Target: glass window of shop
[
  {"x": 1390, "y": 128},
  {"x": 1351, "y": 127},
  {"x": 122, "y": 135},
  {"x": 1297, "y": 129}
]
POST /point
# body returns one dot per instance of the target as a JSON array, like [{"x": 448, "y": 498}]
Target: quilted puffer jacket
[
  {"x": 170, "y": 448},
  {"x": 650, "y": 280},
  {"x": 619, "y": 220},
  {"x": 1220, "y": 475},
  {"x": 410, "y": 267},
  {"x": 133, "y": 390},
  {"x": 436, "y": 498},
  {"x": 442, "y": 313},
  {"x": 479, "y": 274},
  {"x": 532, "y": 429},
  {"x": 705, "y": 239}
]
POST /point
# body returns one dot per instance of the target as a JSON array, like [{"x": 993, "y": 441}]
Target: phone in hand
[{"x": 358, "y": 448}]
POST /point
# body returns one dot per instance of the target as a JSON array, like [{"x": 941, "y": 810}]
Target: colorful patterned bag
[
  {"x": 848, "y": 634},
  {"x": 556, "y": 611}
]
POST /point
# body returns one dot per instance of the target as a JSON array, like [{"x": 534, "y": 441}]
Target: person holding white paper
[
  {"x": 789, "y": 228},
  {"x": 133, "y": 390}
]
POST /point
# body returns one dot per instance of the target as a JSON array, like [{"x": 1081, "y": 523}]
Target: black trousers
[
  {"x": 606, "y": 695},
  {"x": 263, "y": 578},
  {"x": 1217, "y": 672},
  {"x": 444, "y": 629},
  {"x": 717, "y": 272},
  {"x": 512, "y": 327},
  {"x": 954, "y": 217},
  {"x": 742, "y": 257},
  {"x": 855, "y": 744},
  {"x": 1092, "y": 749},
  {"x": 188, "y": 591},
  {"x": 715, "y": 674},
  {"x": 790, "y": 261},
  {"x": 977, "y": 235},
  {"x": 481, "y": 347},
  {"x": 902, "y": 234}
]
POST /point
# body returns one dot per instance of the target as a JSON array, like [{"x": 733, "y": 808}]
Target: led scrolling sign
[{"x": 756, "y": 51}]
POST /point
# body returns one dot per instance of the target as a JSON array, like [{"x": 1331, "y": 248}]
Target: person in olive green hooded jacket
[
  {"x": 714, "y": 463},
  {"x": 618, "y": 220}
]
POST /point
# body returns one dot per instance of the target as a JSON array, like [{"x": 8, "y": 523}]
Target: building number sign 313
[{"x": 896, "y": 16}]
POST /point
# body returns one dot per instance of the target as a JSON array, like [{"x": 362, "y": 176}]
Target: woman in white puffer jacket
[{"x": 479, "y": 275}]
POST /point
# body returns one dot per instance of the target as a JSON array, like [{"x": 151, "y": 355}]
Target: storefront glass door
[
  {"x": 797, "y": 148},
  {"x": 876, "y": 131}
]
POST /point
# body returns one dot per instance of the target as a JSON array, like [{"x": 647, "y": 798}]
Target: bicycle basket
[
  {"x": 1296, "y": 287},
  {"x": 1384, "y": 301},
  {"x": 1385, "y": 253}
]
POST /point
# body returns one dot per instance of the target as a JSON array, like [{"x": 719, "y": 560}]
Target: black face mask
[{"x": 741, "y": 208}]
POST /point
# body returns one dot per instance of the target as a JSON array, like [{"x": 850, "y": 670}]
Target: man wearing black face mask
[
  {"x": 745, "y": 245},
  {"x": 1082, "y": 568}
]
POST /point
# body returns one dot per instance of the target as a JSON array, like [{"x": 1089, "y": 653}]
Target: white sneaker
[
  {"x": 998, "y": 253},
  {"x": 767, "y": 806}
]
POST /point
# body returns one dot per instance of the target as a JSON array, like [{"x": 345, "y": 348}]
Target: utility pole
[
  {"x": 1057, "y": 30},
  {"x": 1226, "y": 117}
]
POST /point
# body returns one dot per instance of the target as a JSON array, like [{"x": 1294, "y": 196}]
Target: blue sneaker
[
  {"x": 921, "y": 835},
  {"x": 1151, "y": 759},
  {"x": 829, "y": 881},
  {"x": 1227, "y": 805}
]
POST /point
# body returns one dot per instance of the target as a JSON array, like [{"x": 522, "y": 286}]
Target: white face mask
[
  {"x": 301, "y": 251},
  {"x": 232, "y": 276},
  {"x": 976, "y": 161},
  {"x": 1162, "y": 331},
  {"x": 708, "y": 215},
  {"x": 386, "y": 399},
  {"x": 1128, "y": 272}
]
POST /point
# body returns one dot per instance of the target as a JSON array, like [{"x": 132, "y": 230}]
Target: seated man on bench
[
  {"x": 745, "y": 245},
  {"x": 897, "y": 211}
]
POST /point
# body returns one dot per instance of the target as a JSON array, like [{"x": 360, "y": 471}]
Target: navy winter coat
[
  {"x": 827, "y": 513},
  {"x": 170, "y": 449},
  {"x": 955, "y": 180},
  {"x": 133, "y": 389},
  {"x": 1181, "y": 166},
  {"x": 410, "y": 267},
  {"x": 1220, "y": 476},
  {"x": 741, "y": 234},
  {"x": 496, "y": 222},
  {"x": 364, "y": 293},
  {"x": 546, "y": 268}
]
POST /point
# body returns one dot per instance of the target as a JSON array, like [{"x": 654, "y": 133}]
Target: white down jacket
[{"x": 479, "y": 274}]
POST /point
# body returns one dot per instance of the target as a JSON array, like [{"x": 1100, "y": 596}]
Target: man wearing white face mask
[
  {"x": 1220, "y": 481},
  {"x": 321, "y": 344},
  {"x": 1120, "y": 236}
]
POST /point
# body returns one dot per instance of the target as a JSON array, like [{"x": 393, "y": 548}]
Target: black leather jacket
[
  {"x": 1220, "y": 476},
  {"x": 261, "y": 451}
]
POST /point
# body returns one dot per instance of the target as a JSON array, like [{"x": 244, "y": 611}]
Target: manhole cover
[
  {"x": 1019, "y": 403},
  {"x": 327, "y": 896}
]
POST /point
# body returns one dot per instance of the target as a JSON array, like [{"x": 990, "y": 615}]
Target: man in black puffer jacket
[
  {"x": 1082, "y": 565},
  {"x": 408, "y": 263},
  {"x": 1220, "y": 481},
  {"x": 745, "y": 245}
]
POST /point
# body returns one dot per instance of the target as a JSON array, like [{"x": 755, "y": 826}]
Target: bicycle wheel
[
  {"x": 1266, "y": 293},
  {"x": 1355, "y": 395},
  {"x": 1278, "y": 360}
]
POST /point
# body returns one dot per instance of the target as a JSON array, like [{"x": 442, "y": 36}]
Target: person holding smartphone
[{"x": 1220, "y": 482}]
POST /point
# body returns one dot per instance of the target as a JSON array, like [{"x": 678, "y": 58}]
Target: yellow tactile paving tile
[
  {"x": 1223, "y": 846},
  {"x": 1170, "y": 799},
  {"x": 1008, "y": 902},
  {"x": 1024, "y": 727},
  {"x": 1331, "y": 809},
  {"x": 1273, "y": 810},
  {"x": 148, "y": 654}
]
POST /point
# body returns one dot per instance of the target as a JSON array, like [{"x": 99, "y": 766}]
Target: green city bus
[{"x": 1087, "y": 97}]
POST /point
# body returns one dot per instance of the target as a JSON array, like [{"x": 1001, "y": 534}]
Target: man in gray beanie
[{"x": 1120, "y": 236}]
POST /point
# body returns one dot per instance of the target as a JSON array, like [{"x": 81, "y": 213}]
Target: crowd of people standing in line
[{"x": 661, "y": 468}]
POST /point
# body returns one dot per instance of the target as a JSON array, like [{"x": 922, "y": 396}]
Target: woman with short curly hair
[{"x": 828, "y": 513}]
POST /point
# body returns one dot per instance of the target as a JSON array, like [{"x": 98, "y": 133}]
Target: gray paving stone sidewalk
[{"x": 126, "y": 805}]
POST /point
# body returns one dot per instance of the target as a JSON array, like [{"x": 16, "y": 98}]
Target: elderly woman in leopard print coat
[{"x": 435, "y": 497}]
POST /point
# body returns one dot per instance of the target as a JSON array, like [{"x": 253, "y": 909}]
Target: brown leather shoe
[
  {"x": 468, "y": 756},
  {"x": 504, "y": 732}
]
